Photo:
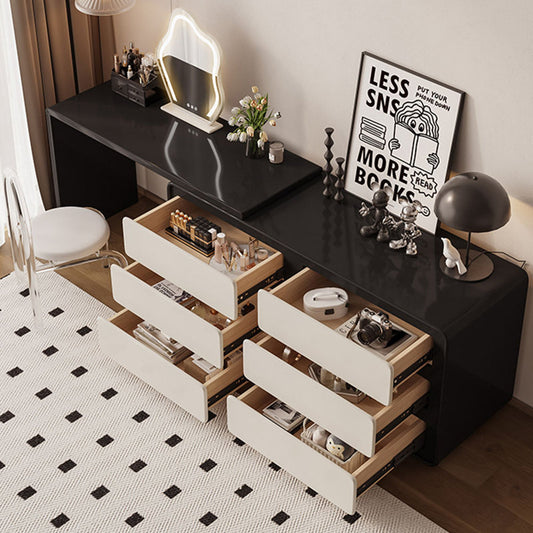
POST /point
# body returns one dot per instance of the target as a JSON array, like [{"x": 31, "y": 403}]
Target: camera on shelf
[{"x": 375, "y": 328}]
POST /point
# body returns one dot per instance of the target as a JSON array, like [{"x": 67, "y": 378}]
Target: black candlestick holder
[
  {"x": 339, "y": 184},
  {"x": 328, "y": 156}
]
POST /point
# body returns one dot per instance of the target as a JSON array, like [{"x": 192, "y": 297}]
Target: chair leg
[
  {"x": 35, "y": 296},
  {"x": 115, "y": 256}
]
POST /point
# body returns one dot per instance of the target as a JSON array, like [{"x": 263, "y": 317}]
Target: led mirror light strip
[{"x": 182, "y": 15}]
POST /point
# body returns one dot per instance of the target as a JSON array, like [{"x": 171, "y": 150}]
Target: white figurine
[
  {"x": 339, "y": 448},
  {"x": 453, "y": 257}
]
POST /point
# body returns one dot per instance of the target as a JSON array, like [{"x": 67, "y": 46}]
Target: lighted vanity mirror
[{"x": 189, "y": 62}]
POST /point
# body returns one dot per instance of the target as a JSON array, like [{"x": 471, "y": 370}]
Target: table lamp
[{"x": 472, "y": 202}]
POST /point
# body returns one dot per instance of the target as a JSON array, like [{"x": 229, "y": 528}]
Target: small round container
[
  {"x": 275, "y": 155},
  {"x": 261, "y": 254}
]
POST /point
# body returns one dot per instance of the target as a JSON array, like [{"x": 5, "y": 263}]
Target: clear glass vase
[{"x": 253, "y": 149}]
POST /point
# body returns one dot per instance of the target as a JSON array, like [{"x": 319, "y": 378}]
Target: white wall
[{"x": 306, "y": 55}]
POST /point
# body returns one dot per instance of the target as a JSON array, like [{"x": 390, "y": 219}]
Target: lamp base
[
  {"x": 481, "y": 267},
  {"x": 192, "y": 119}
]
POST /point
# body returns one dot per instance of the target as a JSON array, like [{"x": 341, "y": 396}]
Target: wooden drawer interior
[
  {"x": 217, "y": 384},
  {"x": 157, "y": 220},
  {"x": 409, "y": 397},
  {"x": 233, "y": 334},
  {"x": 414, "y": 353},
  {"x": 398, "y": 444}
]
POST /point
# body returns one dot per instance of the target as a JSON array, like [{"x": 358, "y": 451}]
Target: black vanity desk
[
  {"x": 476, "y": 327},
  {"x": 97, "y": 136}
]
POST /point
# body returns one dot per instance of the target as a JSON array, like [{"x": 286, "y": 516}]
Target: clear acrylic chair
[{"x": 62, "y": 237}]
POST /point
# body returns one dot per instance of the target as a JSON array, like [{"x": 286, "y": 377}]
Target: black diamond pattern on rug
[
  {"x": 172, "y": 441},
  {"x": 100, "y": 492},
  {"x": 243, "y": 491},
  {"x": 14, "y": 372},
  {"x": 140, "y": 416},
  {"x": 26, "y": 493},
  {"x": 25, "y": 293},
  {"x": 22, "y": 331},
  {"x": 208, "y": 465},
  {"x": 35, "y": 441},
  {"x": 238, "y": 441},
  {"x": 60, "y": 520},
  {"x": 138, "y": 465},
  {"x": 109, "y": 393},
  {"x": 84, "y": 330},
  {"x": 43, "y": 393},
  {"x": 134, "y": 519},
  {"x": 72, "y": 417},
  {"x": 281, "y": 517},
  {"x": 310, "y": 491},
  {"x": 51, "y": 350},
  {"x": 105, "y": 440},
  {"x": 56, "y": 312},
  {"x": 275, "y": 467},
  {"x": 172, "y": 491},
  {"x": 208, "y": 519},
  {"x": 5, "y": 417},
  {"x": 66, "y": 466},
  {"x": 77, "y": 372},
  {"x": 210, "y": 416},
  {"x": 351, "y": 518}
]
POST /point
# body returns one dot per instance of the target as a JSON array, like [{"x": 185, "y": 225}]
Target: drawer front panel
[
  {"x": 356, "y": 365},
  {"x": 212, "y": 287},
  {"x": 170, "y": 317},
  {"x": 153, "y": 369},
  {"x": 304, "y": 394},
  {"x": 291, "y": 454}
]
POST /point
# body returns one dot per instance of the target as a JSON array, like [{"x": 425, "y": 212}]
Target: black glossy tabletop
[
  {"x": 326, "y": 236},
  {"x": 309, "y": 229},
  {"x": 205, "y": 164}
]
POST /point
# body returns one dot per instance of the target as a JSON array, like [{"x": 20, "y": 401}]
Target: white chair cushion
[{"x": 68, "y": 233}]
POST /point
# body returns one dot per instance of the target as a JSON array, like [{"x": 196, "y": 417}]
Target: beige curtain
[{"x": 61, "y": 52}]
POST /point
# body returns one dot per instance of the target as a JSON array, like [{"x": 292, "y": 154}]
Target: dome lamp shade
[{"x": 473, "y": 202}]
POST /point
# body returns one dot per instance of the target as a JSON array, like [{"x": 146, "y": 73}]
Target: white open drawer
[
  {"x": 182, "y": 383},
  {"x": 146, "y": 241},
  {"x": 315, "y": 470},
  {"x": 360, "y": 425},
  {"x": 280, "y": 314},
  {"x": 132, "y": 288}
]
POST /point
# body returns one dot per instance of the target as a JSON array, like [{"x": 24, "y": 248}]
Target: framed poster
[{"x": 403, "y": 130}]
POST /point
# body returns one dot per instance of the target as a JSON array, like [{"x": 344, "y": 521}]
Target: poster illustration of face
[{"x": 402, "y": 135}]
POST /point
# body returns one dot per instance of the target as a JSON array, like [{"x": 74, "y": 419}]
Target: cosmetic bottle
[
  {"x": 327, "y": 378},
  {"x": 218, "y": 252},
  {"x": 201, "y": 310},
  {"x": 130, "y": 72},
  {"x": 218, "y": 320},
  {"x": 116, "y": 63}
]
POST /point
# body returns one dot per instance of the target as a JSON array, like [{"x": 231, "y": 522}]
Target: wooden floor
[{"x": 485, "y": 485}]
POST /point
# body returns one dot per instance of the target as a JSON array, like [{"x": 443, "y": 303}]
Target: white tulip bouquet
[{"x": 249, "y": 120}]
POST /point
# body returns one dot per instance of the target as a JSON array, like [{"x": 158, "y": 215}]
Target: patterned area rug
[{"x": 87, "y": 447}]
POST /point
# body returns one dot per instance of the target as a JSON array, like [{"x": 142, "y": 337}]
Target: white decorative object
[
  {"x": 103, "y": 8},
  {"x": 452, "y": 256},
  {"x": 189, "y": 62},
  {"x": 328, "y": 303}
]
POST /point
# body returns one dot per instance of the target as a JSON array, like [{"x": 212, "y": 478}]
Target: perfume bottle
[{"x": 218, "y": 320}]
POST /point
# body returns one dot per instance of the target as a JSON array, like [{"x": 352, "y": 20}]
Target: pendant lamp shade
[{"x": 101, "y": 8}]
